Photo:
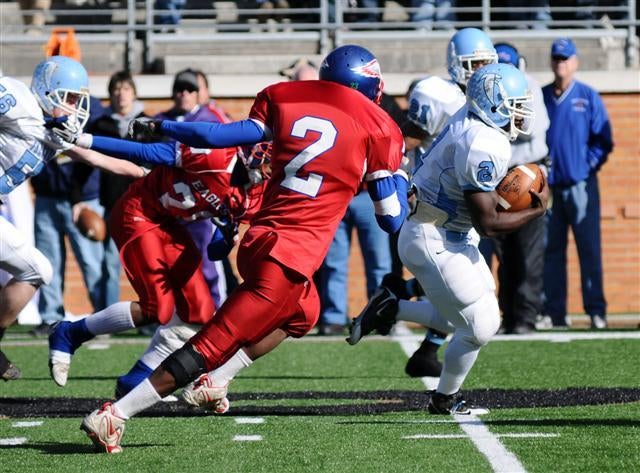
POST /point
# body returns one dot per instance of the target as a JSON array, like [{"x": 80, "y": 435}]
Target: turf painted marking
[
  {"x": 33, "y": 423},
  {"x": 13, "y": 441},
  {"x": 461, "y": 436},
  {"x": 247, "y": 438},
  {"x": 98, "y": 346},
  {"x": 249, "y": 420},
  {"x": 500, "y": 459}
]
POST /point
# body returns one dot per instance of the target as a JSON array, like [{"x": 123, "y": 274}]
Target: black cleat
[
  {"x": 424, "y": 363},
  {"x": 452, "y": 404},
  {"x": 8, "y": 371},
  {"x": 379, "y": 314}
]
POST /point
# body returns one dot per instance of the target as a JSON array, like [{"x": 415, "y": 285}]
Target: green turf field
[{"x": 558, "y": 405}]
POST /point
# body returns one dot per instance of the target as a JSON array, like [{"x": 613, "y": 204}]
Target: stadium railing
[{"x": 326, "y": 24}]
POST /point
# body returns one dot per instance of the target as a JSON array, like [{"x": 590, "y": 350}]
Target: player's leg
[
  {"x": 145, "y": 266},
  {"x": 460, "y": 286},
  {"x": 30, "y": 269}
]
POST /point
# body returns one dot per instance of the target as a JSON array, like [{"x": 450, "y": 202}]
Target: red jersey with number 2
[{"x": 327, "y": 138}]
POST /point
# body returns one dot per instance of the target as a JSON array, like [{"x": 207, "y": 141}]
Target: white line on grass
[
  {"x": 500, "y": 459},
  {"x": 247, "y": 438},
  {"x": 249, "y": 420},
  {"x": 13, "y": 441},
  {"x": 33, "y": 423},
  {"x": 98, "y": 346},
  {"x": 461, "y": 436}
]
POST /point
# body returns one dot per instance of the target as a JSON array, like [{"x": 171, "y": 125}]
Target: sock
[
  {"x": 435, "y": 339},
  {"x": 113, "y": 319},
  {"x": 140, "y": 398},
  {"x": 135, "y": 376},
  {"x": 225, "y": 373}
]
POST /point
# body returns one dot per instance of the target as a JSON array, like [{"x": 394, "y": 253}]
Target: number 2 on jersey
[{"x": 311, "y": 185}]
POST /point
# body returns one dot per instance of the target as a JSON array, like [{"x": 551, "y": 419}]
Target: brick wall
[{"x": 620, "y": 194}]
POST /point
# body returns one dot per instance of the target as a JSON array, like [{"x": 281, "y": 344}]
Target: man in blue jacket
[{"x": 579, "y": 141}]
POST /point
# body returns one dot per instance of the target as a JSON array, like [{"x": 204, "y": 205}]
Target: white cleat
[
  {"x": 105, "y": 429},
  {"x": 59, "y": 364},
  {"x": 204, "y": 393}
]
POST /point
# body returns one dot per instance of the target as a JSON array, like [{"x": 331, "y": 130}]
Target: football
[
  {"x": 91, "y": 225},
  {"x": 513, "y": 190}
]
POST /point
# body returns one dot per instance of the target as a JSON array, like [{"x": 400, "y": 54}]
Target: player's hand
[
  {"x": 228, "y": 228},
  {"x": 223, "y": 240},
  {"x": 147, "y": 128},
  {"x": 541, "y": 199}
]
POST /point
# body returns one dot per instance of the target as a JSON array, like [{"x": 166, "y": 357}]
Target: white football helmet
[{"x": 61, "y": 82}]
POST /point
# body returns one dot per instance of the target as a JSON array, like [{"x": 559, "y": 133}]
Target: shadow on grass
[{"x": 60, "y": 448}]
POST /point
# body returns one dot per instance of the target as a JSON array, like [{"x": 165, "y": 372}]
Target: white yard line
[
  {"x": 13, "y": 441},
  {"x": 249, "y": 420},
  {"x": 247, "y": 438},
  {"x": 500, "y": 459},
  {"x": 33, "y": 423},
  {"x": 461, "y": 436}
]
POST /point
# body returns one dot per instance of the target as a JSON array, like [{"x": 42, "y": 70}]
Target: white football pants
[{"x": 461, "y": 293}]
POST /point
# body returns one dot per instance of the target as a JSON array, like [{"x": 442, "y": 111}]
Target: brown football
[
  {"x": 513, "y": 190},
  {"x": 91, "y": 225}
]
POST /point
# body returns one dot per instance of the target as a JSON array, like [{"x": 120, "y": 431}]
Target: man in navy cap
[
  {"x": 521, "y": 253},
  {"x": 579, "y": 141}
]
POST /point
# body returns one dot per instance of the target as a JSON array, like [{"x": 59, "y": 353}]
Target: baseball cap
[
  {"x": 507, "y": 54},
  {"x": 186, "y": 80},
  {"x": 563, "y": 47}
]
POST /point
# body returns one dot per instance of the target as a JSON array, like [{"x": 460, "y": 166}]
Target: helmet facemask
[{"x": 74, "y": 104}]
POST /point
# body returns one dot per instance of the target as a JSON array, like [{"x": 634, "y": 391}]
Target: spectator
[
  {"x": 36, "y": 20},
  {"x": 301, "y": 69},
  {"x": 537, "y": 15},
  {"x": 434, "y": 13},
  {"x": 171, "y": 13},
  {"x": 579, "y": 140},
  {"x": 123, "y": 107},
  {"x": 521, "y": 252}
]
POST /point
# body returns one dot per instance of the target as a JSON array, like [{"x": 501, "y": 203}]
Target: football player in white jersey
[
  {"x": 59, "y": 93},
  {"x": 432, "y": 102},
  {"x": 455, "y": 189}
]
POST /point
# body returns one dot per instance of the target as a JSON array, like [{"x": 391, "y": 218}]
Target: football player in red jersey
[
  {"x": 327, "y": 137},
  {"x": 160, "y": 258}
]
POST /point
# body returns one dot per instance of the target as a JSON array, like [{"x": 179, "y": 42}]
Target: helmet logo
[
  {"x": 370, "y": 69},
  {"x": 492, "y": 88}
]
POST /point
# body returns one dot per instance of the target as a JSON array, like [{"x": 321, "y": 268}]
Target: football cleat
[
  {"x": 105, "y": 429},
  {"x": 453, "y": 404},
  {"x": 64, "y": 339},
  {"x": 204, "y": 393},
  {"x": 379, "y": 314},
  {"x": 8, "y": 371}
]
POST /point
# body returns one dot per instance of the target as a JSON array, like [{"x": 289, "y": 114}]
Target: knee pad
[
  {"x": 185, "y": 364},
  {"x": 484, "y": 318}
]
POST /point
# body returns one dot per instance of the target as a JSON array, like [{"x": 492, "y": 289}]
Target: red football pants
[
  {"x": 272, "y": 296},
  {"x": 164, "y": 267}
]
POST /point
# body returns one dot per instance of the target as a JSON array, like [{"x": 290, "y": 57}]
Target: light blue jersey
[
  {"x": 467, "y": 155},
  {"x": 25, "y": 144}
]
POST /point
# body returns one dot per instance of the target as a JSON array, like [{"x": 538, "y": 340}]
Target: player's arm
[
  {"x": 106, "y": 163},
  {"x": 152, "y": 153},
  {"x": 203, "y": 134},
  {"x": 389, "y": 195},
  {"x": 489, "y": 222}
]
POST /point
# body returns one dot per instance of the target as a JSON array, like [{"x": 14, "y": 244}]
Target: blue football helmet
[
  {"x": 498, "y": 94},
  {"x": 61, "y": 82},
  {"x": 466, "y": 47},
  {"x": 354, "y": 67}
]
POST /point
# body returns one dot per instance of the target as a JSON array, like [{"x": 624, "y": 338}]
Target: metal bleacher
[{"x": 237, "y": 38}]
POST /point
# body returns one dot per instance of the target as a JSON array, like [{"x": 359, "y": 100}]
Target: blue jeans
[
  {"x": 578, "y": 207},
  {"x": 430, "y": 11},
  {"x": 111, "y": 268},
  {"x": 171, "y": 17},
  {"x": 374, "y": 243},
  {"x": 52, "y": 222}
]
